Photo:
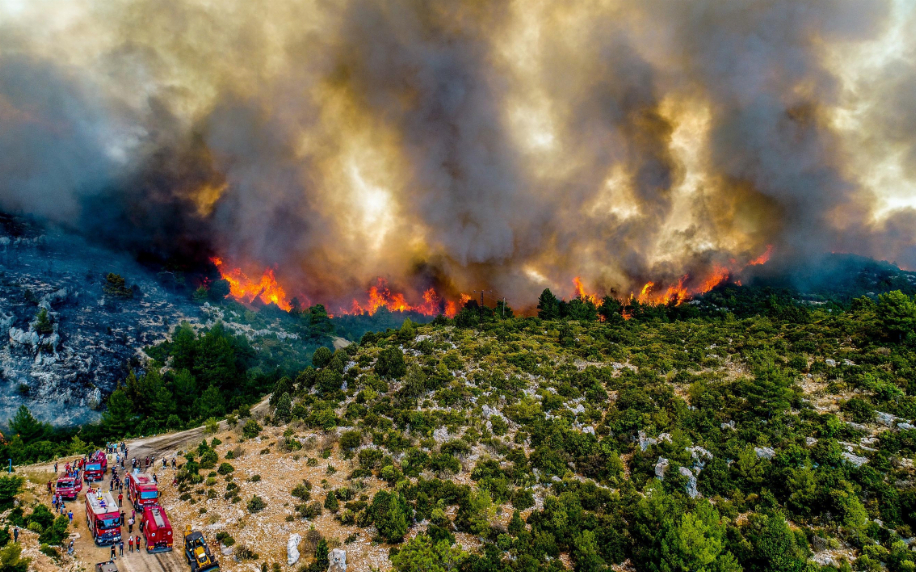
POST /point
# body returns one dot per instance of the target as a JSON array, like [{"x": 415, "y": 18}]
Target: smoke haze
[{"x": 505, "y": 145}]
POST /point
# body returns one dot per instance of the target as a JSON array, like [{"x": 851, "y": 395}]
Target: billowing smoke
[{"x": 465, "y": 144}]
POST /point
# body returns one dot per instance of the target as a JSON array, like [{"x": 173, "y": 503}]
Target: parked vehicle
[
  {"x": 142, "y": 490},
  {"x": 103, "y": 517},
  {"x": 156, "y": 529},
  {"x": 68, "y": 486},
  {"x": 96, "y": 467},
  {"x": 197, "y": 552}
]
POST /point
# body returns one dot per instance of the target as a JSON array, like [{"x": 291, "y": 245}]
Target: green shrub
[
  {"x": 225, "y": 469},
  {"x": 256, "y": 504}
]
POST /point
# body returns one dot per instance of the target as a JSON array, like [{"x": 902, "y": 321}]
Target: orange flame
[
  {"x": 763, "y": 258},
  {"x": 267, "y": 290},
  {"x": 381, "y": 296},
  {"x": 719, "y": 275},
  {"x": 581, "y": 293}
]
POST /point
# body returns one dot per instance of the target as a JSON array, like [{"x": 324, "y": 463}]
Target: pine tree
[
  {"x": 548, "y": 305},
  {"x": 27, "y": 427},
  {"x": 119, "y": 419},
  {"x": 284, "y": 410},
  {"x": 330, "y": 502}
]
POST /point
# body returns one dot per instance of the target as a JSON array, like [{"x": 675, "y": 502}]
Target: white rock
[
  {"x": 691, "y": 482},
  {"x": 810, "y": 441},
  {"x": 905, "y": 426},
  {"x": 830, "y": 362},
  {"x": 885, "y": 418},
  {"x": 292, "y": 549},
  {"x": 855, "y": 460},
  {"x": 729, "y": 425},
  {"x": 764, "y": 452},
  {"x": 660, "y": 467},
  {"x": 338, "y": 558}
]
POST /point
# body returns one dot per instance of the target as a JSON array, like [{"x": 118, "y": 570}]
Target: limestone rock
[
  {"x": 854, "y": 459},
  {"x": 691, "y": 482},
  {"x": 764, "y": 452},
  {"x": 660, "y": 467},
  {"x": 292, "y": 549},
  {"x": 338, "y": 558}
]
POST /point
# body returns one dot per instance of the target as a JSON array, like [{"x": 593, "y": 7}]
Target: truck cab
[
  {"x": 103, "y": 517},
  {"x": 96, "y": 466},
  {"x": 156, "y": 529},
  {"x": 142, "y": 490},
  {"x": 68, "y": 486}
]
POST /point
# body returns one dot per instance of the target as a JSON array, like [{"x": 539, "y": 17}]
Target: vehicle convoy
[
  {"x": 157, "y": 531},
  {"x": 142, "y": 490},
  {"x": 96, "y": 466},
  {"x": 103, "y": 517},
  {"x": 68, "y": 486},
  {"x": 198, "y": 553}
]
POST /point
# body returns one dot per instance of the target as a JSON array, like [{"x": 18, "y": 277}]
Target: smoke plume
[{"x": 465, "y": 144}]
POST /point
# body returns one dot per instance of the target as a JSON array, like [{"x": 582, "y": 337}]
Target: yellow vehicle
[{"x": 198, "y": 553}]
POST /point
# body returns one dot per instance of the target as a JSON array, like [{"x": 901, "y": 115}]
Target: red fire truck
[
  {"x": 68, "y": 486},
  {"x": 156, "y": 529},
  {"x": 96, "y": 466},
  {"x": 103, "y": 517},
  {"x": 142, "y": 490}
]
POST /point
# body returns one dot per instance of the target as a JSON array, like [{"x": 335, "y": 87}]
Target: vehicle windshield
[
  {"x": 149, "y": 494},
  {"x": 93, "y": 467},
  {"x": 107, "y": 523},
  {"x": 68, "y": 483}
]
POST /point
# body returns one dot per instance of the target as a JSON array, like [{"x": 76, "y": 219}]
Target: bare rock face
[
  {"x": 63, "y": 368},
  {"x": 338, "y": 558},
  {"x": 660, "y": 468}
]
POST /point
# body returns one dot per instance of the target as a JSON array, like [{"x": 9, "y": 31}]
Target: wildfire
[
  {"x": 763, "y": 258},
  {"x": 243, "y": 288},
  {"x": 381, "y": 296},
  {"x": 719, "y": 275},
  {"x": 581, "y": 293}
]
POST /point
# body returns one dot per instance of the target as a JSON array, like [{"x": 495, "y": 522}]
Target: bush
[
  {"x": 256, "y": 504},
  {"x": 251, "y": 429},
  {"x": 350, "y": 440},
  {"x": 211, "y": 426},
  {"x": 225, "y": 469},
  {"x": 225, "y": 538},
  {"x": 208, "y": 459}
]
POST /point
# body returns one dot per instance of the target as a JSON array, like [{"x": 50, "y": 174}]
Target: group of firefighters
[{"x": 116, "y": 483}]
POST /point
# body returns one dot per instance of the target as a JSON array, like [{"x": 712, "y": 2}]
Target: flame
[
  {"x": 719, "y": 275},
  {"x": 763, "y": 258},
  {"x": 581, "y": 293},
  {"x": 243, "y": 288},
  {"x": 381, "y": 296}
]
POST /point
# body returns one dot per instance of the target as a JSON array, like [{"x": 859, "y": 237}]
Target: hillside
[{"x": 764, "y": 443}]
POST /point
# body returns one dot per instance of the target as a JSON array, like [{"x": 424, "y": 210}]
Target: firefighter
[
  {"x": 113, "y": 553},
  {"x": 49, "y": 487},
  {"x": 130, "y": 543}
]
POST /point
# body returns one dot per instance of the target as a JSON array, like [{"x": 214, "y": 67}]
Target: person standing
[
  {"x": 120, "y": 499},
  {"x": 55, "y": 467},
  {"x": 70, "y": 548},
  {"x": 122, "y": 518},
  {"x": 121, "y": 548},
  {"x": 130, "y": 525},
  {"x": 113, "y": 553},
  {"x": 15, "y": 534},
  {"x": 130, "y": 543},
  {"x": 70, "y": 516}
]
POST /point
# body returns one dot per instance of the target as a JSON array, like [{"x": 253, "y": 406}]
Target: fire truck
[
  {"x": 142, "y": 490},
  {"x": 96, "y": 466},
  {"x": 68, "y": 486},
  {"x": 156, "y": 529},
  {"x": 103, "y": 517}
]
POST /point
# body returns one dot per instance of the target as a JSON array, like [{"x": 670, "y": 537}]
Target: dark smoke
[{"x": 462, "y": 144}]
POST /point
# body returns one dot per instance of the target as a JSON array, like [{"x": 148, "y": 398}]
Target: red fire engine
[
  {"x": 156, "y": 529},
  {"x": 103, "y": 517},
  {"x": 96, "y": 466},
  {"x": 68, "y": 486},
  {"x": 142, "y": 490}
]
